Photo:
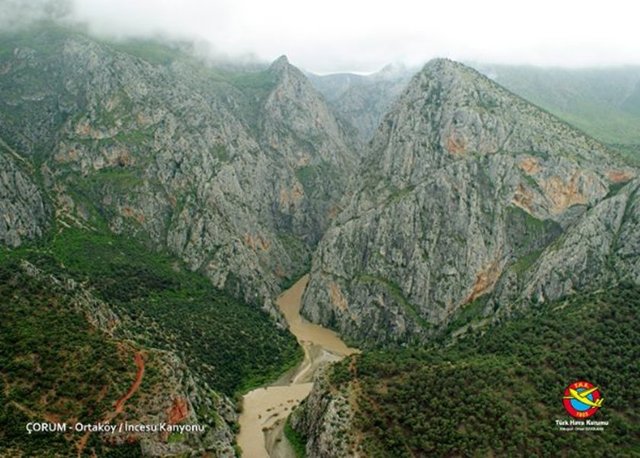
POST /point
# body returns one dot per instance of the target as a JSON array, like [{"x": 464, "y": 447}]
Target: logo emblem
[{"x": 582, "y": 399}]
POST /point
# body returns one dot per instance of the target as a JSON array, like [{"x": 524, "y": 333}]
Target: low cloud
[
  {"x": 358, "y": 35},
  {"x": 16, "y": 14}
]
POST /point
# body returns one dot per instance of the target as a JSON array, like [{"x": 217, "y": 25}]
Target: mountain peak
[
  {"x": 280, "y": 63},
  {"x": 442, "y": 62},
  {"x": 444, "y": 68},
  {"x": 456, "y": 112}
]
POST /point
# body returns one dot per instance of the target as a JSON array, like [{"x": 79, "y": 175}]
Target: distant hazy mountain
[
  {"x": 605, "y": 102},
  {"x": 362, "y": 100}
]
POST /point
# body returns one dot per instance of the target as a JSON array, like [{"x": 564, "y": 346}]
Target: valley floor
[{"x": 266, "y": 409}]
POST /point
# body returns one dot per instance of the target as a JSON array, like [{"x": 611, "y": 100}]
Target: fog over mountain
[{"x": 363, "y": 36}]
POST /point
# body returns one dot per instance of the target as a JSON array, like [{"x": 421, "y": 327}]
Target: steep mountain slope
[
  {"x": 116, "y": 157},
  {"x": 24, "y": 214},
  {"x": 221, "y": 166},
  {"x": 77, "y": 308},
  {"x": 600, "y": 249},
  {"x": 363, "y": 100},
  {"x": 495, "y": 394},
  {"x": 605, "y": 103},
  {"x": 86, "y": 360},
  {"x": 465, "y": 186}
]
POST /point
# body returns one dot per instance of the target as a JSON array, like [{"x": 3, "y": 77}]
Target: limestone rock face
[
  {"x": 299, "y": 131},
  {"x": 238, "y": 172},
  {"x": 23, "y": 214},
  {"x": 599, "y": 250},
  {"x": 324, "y": 418},
  {"x": 464, "y": 188}
]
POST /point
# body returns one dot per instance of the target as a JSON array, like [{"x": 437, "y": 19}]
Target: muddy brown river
[{"x": 266, "y": 409}]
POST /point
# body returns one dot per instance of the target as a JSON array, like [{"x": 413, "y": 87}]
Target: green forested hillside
[
  {"x": 499, "y": 393},
  {"x": 232, "y": 344},
  {"x": 56, "y": 366},
  {"x": 53, "y": 365}
]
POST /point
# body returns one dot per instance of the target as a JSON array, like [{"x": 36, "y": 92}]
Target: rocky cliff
[
  {"x": 23, "y": 214},
  {"x": 236, "y": 172},
  {"x": 465, "y": 186},
  {"x": 600, "y": 249},
  {"x": 325, "y": 419}
]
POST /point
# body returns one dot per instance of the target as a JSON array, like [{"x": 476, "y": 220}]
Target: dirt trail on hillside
[
  {"x": 134, "y": 387},
  {"x": 266, "y": 409},
  {"x": 119, "y": 404}
]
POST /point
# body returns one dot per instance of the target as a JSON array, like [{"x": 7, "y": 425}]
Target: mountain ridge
[
  {"x": 509, "y": 180},
  {"x": 133, "y": 124},
  {"x": 599, "y": 101}
]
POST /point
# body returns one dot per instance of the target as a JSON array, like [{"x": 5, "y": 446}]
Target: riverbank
[{"x": 266, "y": 409}]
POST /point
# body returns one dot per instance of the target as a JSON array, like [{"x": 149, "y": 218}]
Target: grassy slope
[{"x": 501, "y": 392}]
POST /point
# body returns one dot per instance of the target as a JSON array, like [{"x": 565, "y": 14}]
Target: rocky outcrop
[
  {"x": 465, "y": 183},
  {"x": 601, "y": 249},
  {"x": 300, "y": 132},
  {"x": 184, "y": 399},
  {"x": 23, "y": 213},
  {"x": 238, "y": 172},
  {"x": 324, "y": 418}
]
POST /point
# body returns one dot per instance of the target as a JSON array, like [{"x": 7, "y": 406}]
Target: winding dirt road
[{"x": 119, "y": 404}]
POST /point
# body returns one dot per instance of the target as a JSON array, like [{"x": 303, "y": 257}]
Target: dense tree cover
[
  {"x": 296, "y": 440},
  {"x": 53, "y": 362},
  {"x": 499, "y": 393},
  {"x": 232, "y": 345},
  {"x": 53, "y": 366}
]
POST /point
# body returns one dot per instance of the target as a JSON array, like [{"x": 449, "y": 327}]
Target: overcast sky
[{"x": 360, "y": 35}]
